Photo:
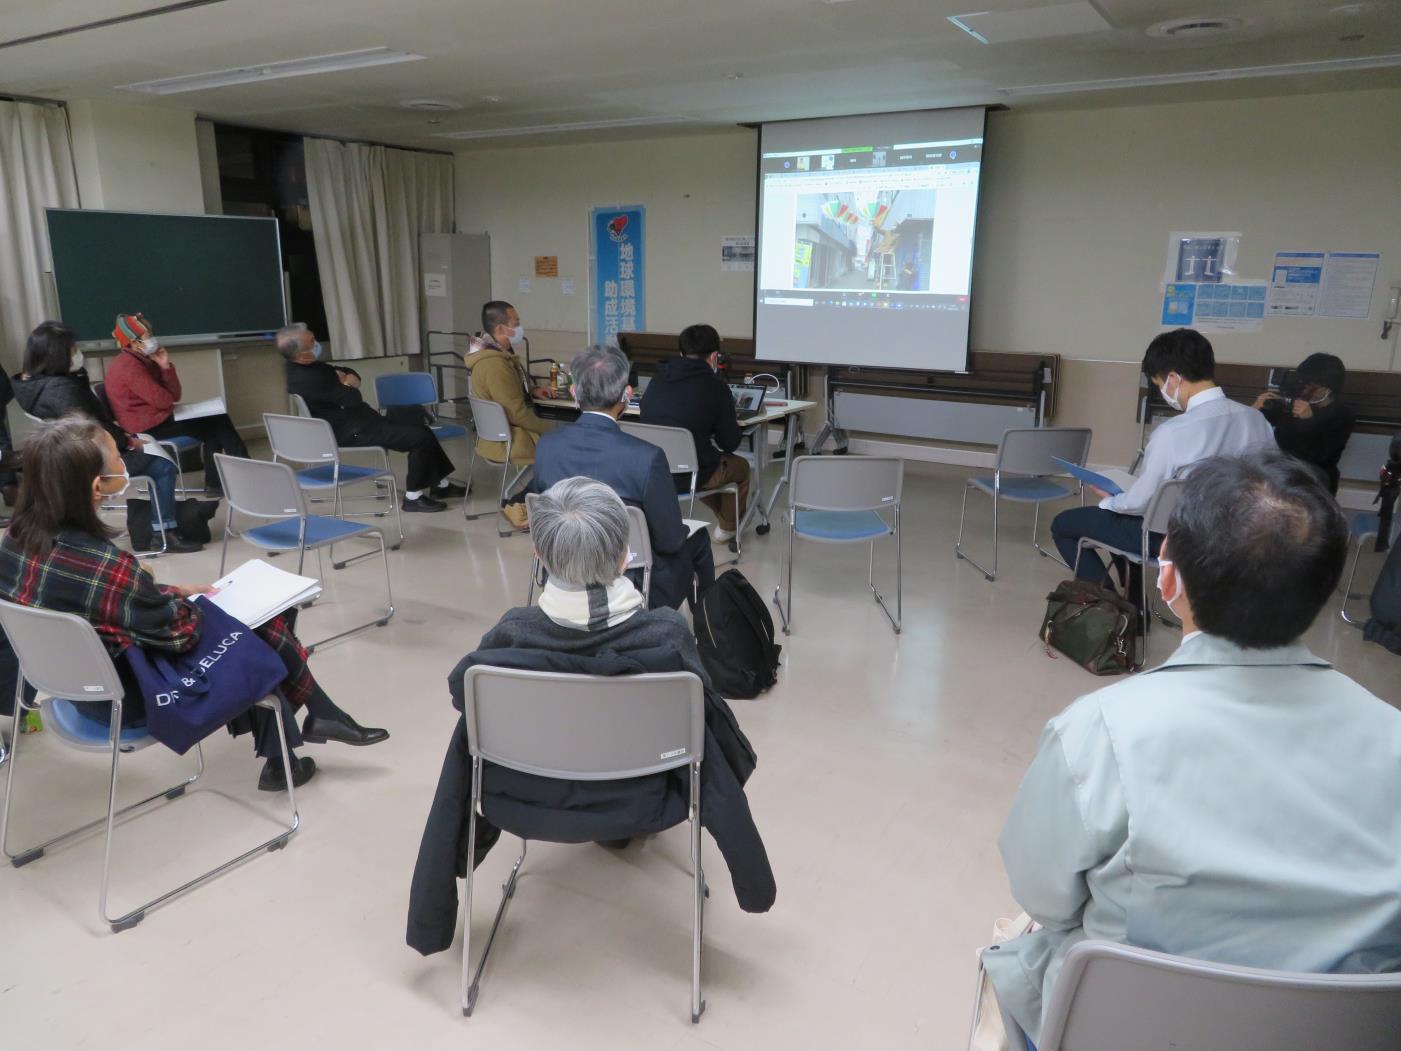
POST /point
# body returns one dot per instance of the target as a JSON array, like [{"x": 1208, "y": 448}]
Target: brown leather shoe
[{"x": 518, "y": 517}]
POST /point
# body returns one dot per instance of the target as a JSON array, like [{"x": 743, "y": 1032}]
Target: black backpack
[{"x": 735, "y": 634}]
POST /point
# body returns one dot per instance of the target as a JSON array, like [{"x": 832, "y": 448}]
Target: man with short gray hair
[
  {"x": 581, "y": 533},
  {"x": 333, "y": 394},
  {"x": 595, "y": 447}
]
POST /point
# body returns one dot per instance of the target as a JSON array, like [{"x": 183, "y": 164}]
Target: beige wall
[
  {"x": 536, "y": 201},
  {"x": 136, "y": 158},
  {"x": 1076, "y": 210}
]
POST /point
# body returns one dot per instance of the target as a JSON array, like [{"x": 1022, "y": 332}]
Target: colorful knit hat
[{"x": 131, "y": 328}]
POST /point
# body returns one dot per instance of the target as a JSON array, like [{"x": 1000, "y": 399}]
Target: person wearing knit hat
[
  {"x": 1310, "y": 421},
  {"x": 143, "y": 388}
]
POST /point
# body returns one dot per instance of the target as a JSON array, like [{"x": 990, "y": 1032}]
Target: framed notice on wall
[{"x": 617, "y": 254}]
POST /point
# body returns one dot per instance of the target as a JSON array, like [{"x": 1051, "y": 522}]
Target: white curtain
[
  {"x": 36, "y": 172},
  {"x": 369, "y": 204}
]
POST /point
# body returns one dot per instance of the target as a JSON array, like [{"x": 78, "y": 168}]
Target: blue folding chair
[
  {"x": 844, "y": 500},
  {"x": 307, "y": 440},
  {"x": 180, "y": 443},
  {"x": 269, "y": 492},
  {"x": 1362, "y": 527},
  {"x": 396, "y": 389},
  {"x": 61, "y": 655}
]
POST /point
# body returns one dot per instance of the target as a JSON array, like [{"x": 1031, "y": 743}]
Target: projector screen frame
[{"x": 758, "y": 228}]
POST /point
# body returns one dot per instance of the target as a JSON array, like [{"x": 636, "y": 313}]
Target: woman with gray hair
[{"x": 591, "y": 621}]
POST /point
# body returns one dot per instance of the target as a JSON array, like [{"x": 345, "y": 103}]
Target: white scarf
[{"x": 593, "y": 607}]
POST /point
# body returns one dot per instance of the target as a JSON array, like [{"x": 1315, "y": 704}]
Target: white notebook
[
  {"x": 693, "y": 525},
  {"x": 256, "y": 592}
]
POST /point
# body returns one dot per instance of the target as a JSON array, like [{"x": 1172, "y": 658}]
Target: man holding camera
[{"x": 1308, "y": 419}]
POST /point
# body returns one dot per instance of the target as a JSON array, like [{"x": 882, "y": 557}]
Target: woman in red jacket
[{"x": 142, "y": 386}]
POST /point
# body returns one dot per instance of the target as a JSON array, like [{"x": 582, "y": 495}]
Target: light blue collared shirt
[{"x": 1240, "y": 806}]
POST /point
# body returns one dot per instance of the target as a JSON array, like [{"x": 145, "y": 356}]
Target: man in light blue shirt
[
  {"x": 1238, "y": 804},
  {"x": 1182, "y": 366}
]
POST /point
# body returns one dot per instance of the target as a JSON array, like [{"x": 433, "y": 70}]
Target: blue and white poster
[{"x": 619, "y": 247}]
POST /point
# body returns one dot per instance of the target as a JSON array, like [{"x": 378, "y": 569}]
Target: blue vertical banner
[{"x": 619, "y": 245}]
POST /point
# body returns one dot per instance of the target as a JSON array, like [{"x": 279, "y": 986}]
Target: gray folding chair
[
  {"x": 490, "y": 423},
  {"x": 1111, "y": 997},
  {"x": 1155, "y": 520},
  {"x": 297, "y": 406},
  {"x": 269, "y": 492},
  {"x": 1023, "y": 474},
  {"x": 582, "y": 728},
  {"x": 679, "y": 445},
  {"x": 304, "y": 440},
  {"x": 61, "y": 656},
  {"x": 1362, "y": 528},
  {"x": 639, "y": 552},
  {"x": 844, "y": 500}
]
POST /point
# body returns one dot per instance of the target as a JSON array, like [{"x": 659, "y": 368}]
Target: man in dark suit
[
  {"x": 333, "y": 394},
  {"x": 595, "y": 447}
]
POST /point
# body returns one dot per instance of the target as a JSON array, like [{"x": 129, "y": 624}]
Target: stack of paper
[{"x": 256, "y": 592}]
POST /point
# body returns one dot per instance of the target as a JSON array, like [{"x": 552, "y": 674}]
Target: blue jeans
[
  {"x": 1122, "y": 531},
  {"x": 161, "y": 472}
]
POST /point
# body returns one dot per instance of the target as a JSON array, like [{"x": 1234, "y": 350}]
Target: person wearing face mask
[
  {"x": 54, "y": 384},
  {"x": 57, "y": 555},
  {"x": 1182, "y": 366},
  {"x": 499, "y": 375},
  {"x": 1236, "y": 804},
  {"x": 687, "y": 393},
  {"x": 142, "y": 387},
  {"x": 1308, "y": 418},
  {"x": 333, "y": 394}
]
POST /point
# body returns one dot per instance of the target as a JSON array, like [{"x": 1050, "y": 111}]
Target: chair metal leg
[
  {"x": 388, "y": 598},
  {"x": 1045, "y": 552},
  {"x": 698, "y": 897},
  {"x": 471, "y": 989},
  {"x": 871, "y": 581},
  {"x": 958, "y": 544},
  {"x": 786, "y": 579},
  {"x": 1347, "y": 589}
]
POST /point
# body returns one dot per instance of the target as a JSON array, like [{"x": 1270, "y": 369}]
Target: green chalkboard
[{"x": 191, "y": 275}]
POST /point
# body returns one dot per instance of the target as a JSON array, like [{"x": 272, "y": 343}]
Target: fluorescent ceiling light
[
  {"x": 1337, "y": 65},
  {"x": 295, "y": 67},
  {"x": 548, "y": 129}
]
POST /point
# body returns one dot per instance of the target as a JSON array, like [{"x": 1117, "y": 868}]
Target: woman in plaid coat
[{"x": 58, "y": 555}]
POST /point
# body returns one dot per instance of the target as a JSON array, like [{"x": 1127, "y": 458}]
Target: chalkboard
[{"x": 191, "y": 275}]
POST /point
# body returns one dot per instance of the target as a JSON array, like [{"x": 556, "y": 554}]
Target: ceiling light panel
[
  {"x": 1032, "y": 23},
  {"x": 551, "y": 129},
  {"x": 255, "y": 74}
]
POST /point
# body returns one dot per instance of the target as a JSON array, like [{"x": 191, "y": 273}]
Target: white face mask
[
  {"x": 150, "y": 345},
  {"x": 517, "y": 333},
  {"x": 1176, "y": 594},
  {"x": 1171, "y": 399},
  {"x": 77, "y": 362},
  {"x": 126, "y": 483},
  {"x": 316, "y": 350}
]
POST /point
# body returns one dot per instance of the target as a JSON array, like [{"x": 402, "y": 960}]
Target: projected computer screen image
[{"x": 865, "y": 247}]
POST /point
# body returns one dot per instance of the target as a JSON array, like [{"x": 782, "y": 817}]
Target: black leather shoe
[
  {"x": 449, "y": 492},
  {"x": 424, "y": 503},
  {"x": 319, "y": 731},
  {"x": 273, "y": 779},
  {"x": 175, "y": 544},
  {"x": 614, "y": 844}
]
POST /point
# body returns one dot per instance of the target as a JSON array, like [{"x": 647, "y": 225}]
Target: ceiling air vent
[{"x": 1194, "y": 28}]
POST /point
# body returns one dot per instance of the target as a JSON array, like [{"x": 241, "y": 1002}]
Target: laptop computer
[{"x": 749, "y": 400}]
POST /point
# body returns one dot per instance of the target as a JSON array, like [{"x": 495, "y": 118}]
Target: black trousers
[
  {"x": 428, "y": 464},
  {"x": 217, "y": 433},
  {"x": 672, "y": 575}
]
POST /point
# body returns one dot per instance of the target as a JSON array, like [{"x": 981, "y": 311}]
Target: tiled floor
[{"x": 886, "y": 766}]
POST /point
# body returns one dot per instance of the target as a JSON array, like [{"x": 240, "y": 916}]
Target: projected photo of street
[{"x": 882, "y": 240}]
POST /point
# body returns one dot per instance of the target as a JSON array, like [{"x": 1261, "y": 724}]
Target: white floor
[{"x": 885, "y": 768}]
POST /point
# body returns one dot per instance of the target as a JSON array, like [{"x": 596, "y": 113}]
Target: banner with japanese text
[{"x": 619, "y": 241}]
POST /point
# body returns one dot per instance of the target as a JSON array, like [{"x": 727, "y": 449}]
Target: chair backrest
[
  {"x": 99, "y": 391},
  {"x": 1028, "y": 450},
  {"x": 1109, "y": 997},
  {"x": 639, "y": 541},
  {"x": 584, "y": 727},
  {"x": 260, "y": 489},
  {"x": 298, "y": 405},
  {"x": 21, "y": 424},
  {"x": 846, "y": 483},
  {"x": 60, "y": 654},
  {"x": 405, "y": 388},
  {"x": 1164, "y": 502},
  {"x": 489, "y": 420},
  {"x": 300, "y": 439},
  {"x": 677, "y": 443}
]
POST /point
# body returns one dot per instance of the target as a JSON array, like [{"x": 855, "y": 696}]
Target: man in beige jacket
[{"x": 499, "y": 375}]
